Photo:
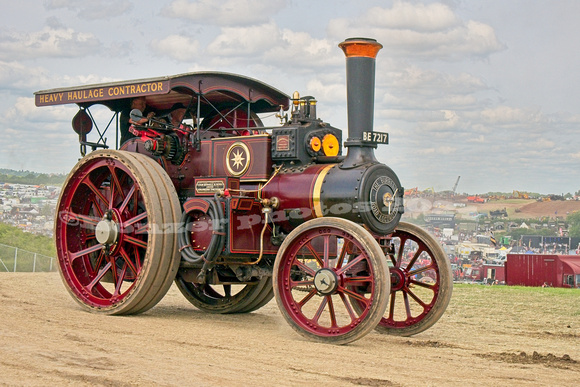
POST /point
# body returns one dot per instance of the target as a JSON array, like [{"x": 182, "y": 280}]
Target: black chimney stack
[{"x": 360, "y": 88}]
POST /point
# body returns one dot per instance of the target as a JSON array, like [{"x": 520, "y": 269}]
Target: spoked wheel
[
  {"x": 115, "y": 243},
  {"x": 262, "y": 298},
  {"x": 320, "y": 268},
  {"x": 421, "y": 282},
  {"x": 227, "y": 298}
]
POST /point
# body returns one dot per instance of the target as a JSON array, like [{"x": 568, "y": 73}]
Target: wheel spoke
[
  {"x": 86, "y": 251},
  {"x": 340, "y": 260},
  {"x": 407, "y": 305},
  {"x": 228, "y": 290},
  {"x": 295, "y": 284},
  {"x": 113, "y": 263},
  {"x": 307, "y": 298},
  {"x": 333, "y": 323},
  {"x": 302, "y": 266},
  {"x": 424, "y": 285},
  {"x": 347, "y": 306},
  {"x": 350, "y": 264},
  {"x": 98, "y": 263},
  {"x": 98, "y": 277},
  {"x": 89, "y": 220},
  {"x": 86, "y": 181},
  {"x": 135, "y": 241},
  {"x": 392, "y": 305},
  {"x": 320, "y": 309},
  {"x": 97, "y": 207},
  {"x": 326, "y": 250},
  {"x": 420, "y": 270},
  {"x": 414, "y": 259},
  {"x": 142, "y": 229},
  {"x": 127, "y": 198},
  {"x": 135, "y": 219},
  {"x": 115, "y": 187},
  {"x": 417, "y": 299},
  {"x": 128, "y": 261},
  {"x": 402, "y": 241},
  {"x": 358, "y": 279},
  {"x": 315, "y": 254},
  {"x": 354, "y": 295},
  {"x": 120, "y": 280}
]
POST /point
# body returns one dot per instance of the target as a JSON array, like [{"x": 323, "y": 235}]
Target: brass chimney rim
[{"x": 360, "y": 47}]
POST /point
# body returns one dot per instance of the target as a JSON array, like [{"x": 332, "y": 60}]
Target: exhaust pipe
[{"x": 360, "y": 89}]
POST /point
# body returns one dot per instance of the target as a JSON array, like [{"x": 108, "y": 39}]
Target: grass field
[{"x": 536, "y": 309}]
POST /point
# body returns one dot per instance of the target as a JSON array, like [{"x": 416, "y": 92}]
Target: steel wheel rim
[
  {"x": 352, "y": 256},
  {"x": 102, "y": 189}
]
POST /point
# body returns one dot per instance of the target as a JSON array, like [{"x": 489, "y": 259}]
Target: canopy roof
[
  {"x": 573, "y": 262},
  {"x": 161, "y": 93}
]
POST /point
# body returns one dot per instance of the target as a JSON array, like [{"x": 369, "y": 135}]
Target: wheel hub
[
  {"x": 107, "y": 232},
  {"x": 397, "y": 279},
  {"x": 325, "y": 281}
]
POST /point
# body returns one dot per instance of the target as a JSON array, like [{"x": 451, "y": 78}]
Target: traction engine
[{"x": 236, "y": 213}]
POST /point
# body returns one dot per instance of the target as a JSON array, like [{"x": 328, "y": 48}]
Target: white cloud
[
  {"x": 21, "y": 79},
  {"x": 419, "y": 30},
  {"x": 327, "y": 91},
  {"x": 224, "y": 13},
  {"x": 418, "y": 17},
  {"x": 24, "y": 110},
  {"x": 541, "y": 144},
  {"x": 505, "y": 115},
  {"x": 49, "y": 42},
  {"x": 245, "y": 41},
  {"x": 300, "y": 48},
  {"x": 178, "y": 47},
  {"x": 94, "y": 9}
]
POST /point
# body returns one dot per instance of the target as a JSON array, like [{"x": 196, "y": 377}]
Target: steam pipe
[{"x": 360, "y": 88}]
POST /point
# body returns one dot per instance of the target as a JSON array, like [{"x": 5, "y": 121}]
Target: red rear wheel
[
  {"x": 116, "y": 246},
  {"x": 322, "y": 266}
]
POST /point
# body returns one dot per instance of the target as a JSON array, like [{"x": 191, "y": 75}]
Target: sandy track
[{"x": 47, "y": 339}]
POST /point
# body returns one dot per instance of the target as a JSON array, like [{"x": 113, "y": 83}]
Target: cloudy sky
[{"x": 489, "y": 91}]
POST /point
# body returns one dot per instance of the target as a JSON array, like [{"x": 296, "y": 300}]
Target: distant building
[{"x": 440, "y": 220}]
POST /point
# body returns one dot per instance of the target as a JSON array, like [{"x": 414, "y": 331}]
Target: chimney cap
[{"x": 360, "y": 47}]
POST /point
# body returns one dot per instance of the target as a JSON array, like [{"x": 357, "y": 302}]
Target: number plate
[{"x": 376, "y": 137}]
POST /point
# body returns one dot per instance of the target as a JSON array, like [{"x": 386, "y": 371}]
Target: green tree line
[
  {"x": 574, "y": 224},
  {"x": 26, "y": 177},
  {"x": 13, "y": 236}
]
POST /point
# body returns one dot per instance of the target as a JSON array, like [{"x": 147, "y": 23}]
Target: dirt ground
[{"x": 487, "y": 338}]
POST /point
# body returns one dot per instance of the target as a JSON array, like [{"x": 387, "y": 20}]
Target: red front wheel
[
  {"x": 322, "y": 268},
  {"x": 115, "y": 237}
]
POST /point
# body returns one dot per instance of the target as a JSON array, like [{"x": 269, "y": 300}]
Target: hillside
[
  {"x": 515, "y": 208},
  {"x": 523, "y": 209}
]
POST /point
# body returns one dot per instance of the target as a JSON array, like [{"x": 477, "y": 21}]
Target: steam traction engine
[{"x": 236, "y": 213}]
